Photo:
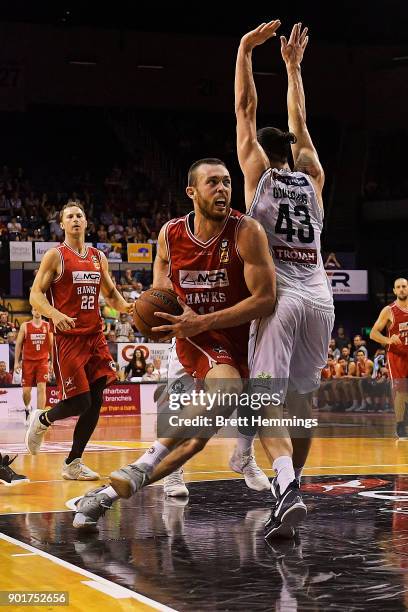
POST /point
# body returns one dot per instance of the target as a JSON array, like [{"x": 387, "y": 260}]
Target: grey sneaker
[
  {"x": 174, "y": 485},
  {"x": 254, "y": 477},
  {"x": 35, "y": 433},
  {"x": 129, "y": 479},
  {"x": 76, "y": 470},
  {"x": 90, "y": 508}
]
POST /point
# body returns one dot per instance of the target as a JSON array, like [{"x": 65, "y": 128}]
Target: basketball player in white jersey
[{"x": 291, "y": 344}]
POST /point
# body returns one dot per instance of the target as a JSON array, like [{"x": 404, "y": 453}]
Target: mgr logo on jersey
[
  {"x": 83, "y": 276},
  {"x": 203, "y": 279}
]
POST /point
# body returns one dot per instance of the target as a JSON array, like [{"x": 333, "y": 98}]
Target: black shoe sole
[{"x": 291, "y": 519}]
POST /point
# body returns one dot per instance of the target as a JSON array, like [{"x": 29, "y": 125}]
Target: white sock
[
  {"x": 111, "y": 492},
  {"x": 244, "y": 444},
  {"x": 153, "y": 456},
  {"x": 284, "y": 472},
  {"x": 298, "y": 473}
]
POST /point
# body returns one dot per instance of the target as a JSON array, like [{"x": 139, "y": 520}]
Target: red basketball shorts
[
  {"x": 79, "y": 361},
  {"x": 398, "y": 368},
  {"x": 200, "y": 353},
  {"x": 34, "y": 371}
]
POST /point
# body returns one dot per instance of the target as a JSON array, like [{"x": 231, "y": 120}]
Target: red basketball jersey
[
  {"x": 36, "y": 345},
  {"x": 399, "y": 326},
  {"x": 208, "y": 276},
  {"x": 75, "y": 292}
]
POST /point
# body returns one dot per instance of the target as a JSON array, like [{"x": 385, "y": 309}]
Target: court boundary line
[{"x": 78, "y": 570}]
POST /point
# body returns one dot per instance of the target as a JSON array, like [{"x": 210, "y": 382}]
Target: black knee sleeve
[{"x": 70, "y": 407}]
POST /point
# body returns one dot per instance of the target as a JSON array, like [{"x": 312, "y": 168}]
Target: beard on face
[
  {"x": 211, "y": 215},
  {"x": 403, "y": 298}
]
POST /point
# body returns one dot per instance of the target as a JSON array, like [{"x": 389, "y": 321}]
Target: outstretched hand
[
  {"x": 261, "y": 34},
  {"x": 182, "y": 326},
  {"x": 292, "y": 50}
]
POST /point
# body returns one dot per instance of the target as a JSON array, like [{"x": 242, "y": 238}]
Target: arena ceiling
[{"x": 352, "y": 22}]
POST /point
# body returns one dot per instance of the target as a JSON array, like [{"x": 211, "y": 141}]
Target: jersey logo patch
[
  {"x": 95, "y": 262},
  {"x": 296, "y": 255},
  {"x": 203, "y": 279},
  {"x": 88, "y": 277},
  {"x": 224, "y": 251}
]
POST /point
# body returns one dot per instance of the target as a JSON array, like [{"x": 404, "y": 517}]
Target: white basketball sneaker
[
  {"x": 76, "y": 470},
  {"x": 245, "y": 464},
  {"x": 174, "y": 485},
  {"x": 35, "y": 433}
]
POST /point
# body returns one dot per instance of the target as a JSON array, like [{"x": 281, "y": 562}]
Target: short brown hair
[
  {"x": 192, "y": 173},
  {"x": 69, "y": 204}
]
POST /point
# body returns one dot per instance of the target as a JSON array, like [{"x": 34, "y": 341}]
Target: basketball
[{"x": 151, "y": 301}]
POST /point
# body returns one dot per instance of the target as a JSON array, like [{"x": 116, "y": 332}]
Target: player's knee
[
  {"x": 79, "y": 403},
  {"x": 227, "y": 386}
]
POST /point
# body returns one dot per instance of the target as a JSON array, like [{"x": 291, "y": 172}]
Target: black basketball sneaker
[
  {"x": 7, "y": 475},
  {"x": 288, "y": 512}
]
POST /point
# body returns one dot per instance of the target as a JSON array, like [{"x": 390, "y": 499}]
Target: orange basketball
[{"x": 151, "y": 301}]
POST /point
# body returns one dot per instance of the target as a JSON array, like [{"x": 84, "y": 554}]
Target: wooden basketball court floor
[{"x": 208, "y": 553}]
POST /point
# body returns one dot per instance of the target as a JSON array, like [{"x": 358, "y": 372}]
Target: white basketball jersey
[{"x": 285, "y": 204}]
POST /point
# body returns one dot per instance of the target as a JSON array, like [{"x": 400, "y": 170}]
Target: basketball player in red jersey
[
  {"x": 395, "y": 319},
  {"x": 33, "y": 350},
  {"x": 219, "y": 263},
  {"x": 66, "y": 290}
]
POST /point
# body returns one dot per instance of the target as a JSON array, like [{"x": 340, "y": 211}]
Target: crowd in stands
[
  {"x": 352, "y": 381},
  {"x": 122, "y": 208},
  {"x": 117, "y": 327}
]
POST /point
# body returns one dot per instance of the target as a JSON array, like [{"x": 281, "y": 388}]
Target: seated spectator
[
  {"x": 326, "y": 393},
  {"x": 6, "y": 378},
  {"x": 123, "y": 328},
  {"x": 136, "y": 291},
  {"x": 359, "y": 345},
  {"x": 5, "y": 325},
  {"x": 136, "y": 366},
  {"x": 115, "y": 254},
  {"x": 36, "y": 236},
  {"x": 112, "y": 344},
  {"x": 91, "y": 234},
  {"x": 364, "y": 371},
  {"x": 128, "y": 278},
  {"x": 115, "y": 229},
  {"x": 333, "y": 348},
  {"x": 14, "y": 228},
  {"x": 151, "y": 375},
  {"x": 341, "y": 338},
  {"x": 102, "y": 234},
  {"x": 157, "y": 366}
]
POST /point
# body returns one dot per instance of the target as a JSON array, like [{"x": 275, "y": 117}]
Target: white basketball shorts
[{"x": 291, "y": 345}]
